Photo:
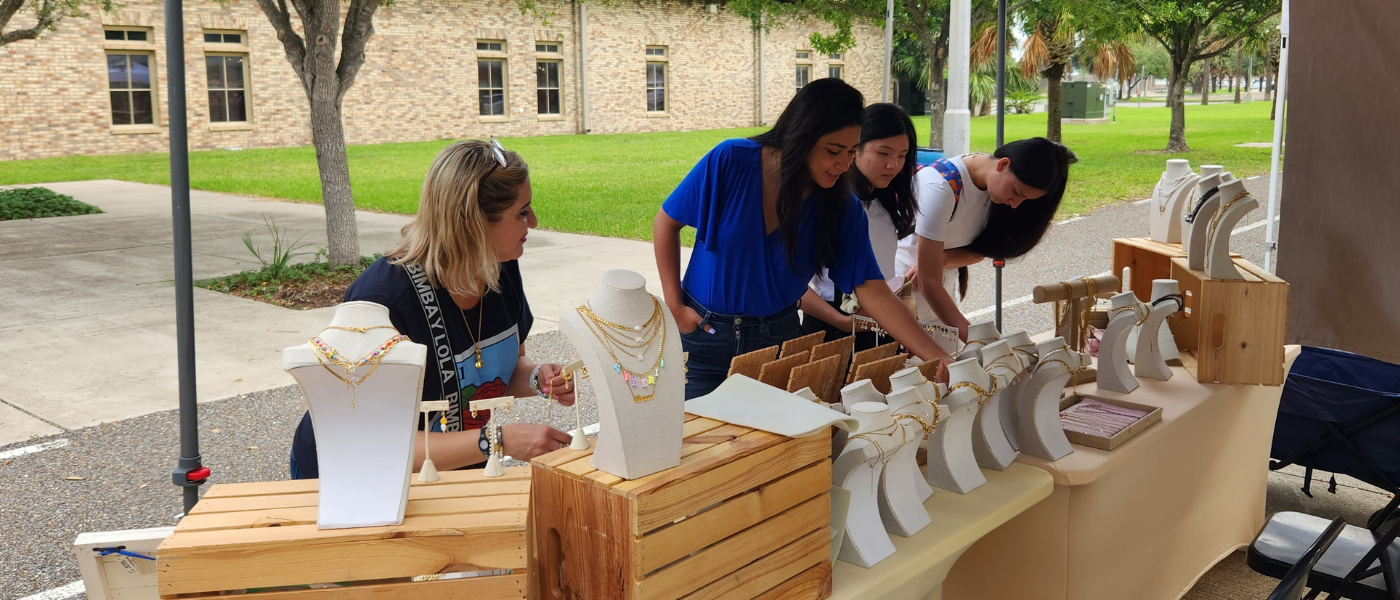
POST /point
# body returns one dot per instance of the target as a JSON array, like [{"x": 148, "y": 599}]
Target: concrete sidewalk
[{"x": 88, "y": 308}]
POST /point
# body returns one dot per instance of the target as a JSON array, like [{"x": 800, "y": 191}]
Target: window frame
[
  {"x": 660, "y": 56},
  {"x": 838, "y": 69},
  {"x": 558, "y": 89},
  {"x": 504, "y": 58},
  {"x": 154, "y": 126},
  {"x": 247, "y": 121}
]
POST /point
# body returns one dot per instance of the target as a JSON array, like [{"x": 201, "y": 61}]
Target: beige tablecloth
[{"x": 1146, "y": 520}]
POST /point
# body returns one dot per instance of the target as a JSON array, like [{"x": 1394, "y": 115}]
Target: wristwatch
[{"x": 484, "y": 443}]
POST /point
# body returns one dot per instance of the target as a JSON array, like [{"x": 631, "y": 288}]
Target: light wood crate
[
  {"x": 1233, "y": 331},
  {"x": 263, "y": 535},
  {"x": 745, "y": 515},
  {"x": 1148, "y": 260}
]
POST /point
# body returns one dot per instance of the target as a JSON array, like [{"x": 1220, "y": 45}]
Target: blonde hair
[{"x": 464, "y": 191}]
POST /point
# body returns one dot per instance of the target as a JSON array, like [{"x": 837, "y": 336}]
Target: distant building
[{"x": 434, "y": 70}]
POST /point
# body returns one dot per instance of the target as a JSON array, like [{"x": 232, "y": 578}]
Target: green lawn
[{"x": 612, "y": 184}]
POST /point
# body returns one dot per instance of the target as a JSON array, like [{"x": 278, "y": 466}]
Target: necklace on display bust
[
  {"x": 1215, "y": 220},
  {"x": 1191, "y": 216},
  {"x": 633, "y": 342},
  {"x": 1175, "y": 187},
  {"x": 480, "y": 310},
  {"x": 325, "y": 353}
]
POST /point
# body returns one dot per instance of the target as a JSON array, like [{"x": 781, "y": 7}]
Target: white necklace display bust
[
  {"x": 1024, "y": 350},
  {"x": 908, "y": 398},
  {"x": 858, "y": 470},
  {"x": 979, "y": 335},
  {"x": 365, "y": 453},
  {"x": 1170, "y": 198},
  {"x": 1148, "y": 361},
  {"x": 989, "y": 442},
  {"x": 1235, "y": 203},
  {"x": 957, "y": 469},
  {"x": 901, "y": 499},
  {"x": 1114, "y": 372},
  {"x": 635, "y": 439},
  {"x": 1038, "y": 400},
  {"x": 1194, "y": 239}
]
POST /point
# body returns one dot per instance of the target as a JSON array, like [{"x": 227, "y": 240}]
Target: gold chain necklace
[
  {"x": 983, "y": 396},
  {"x": 1176, "y": 186},
  {"x": 624, "y": 336},
  {"x": 1136, "y": 307},
  {"x": 634, "y": 379},
  {"x": 1215, "y": 220},
  {"x": 480, "y": 310},
  {"x": 324, "y": 352}
]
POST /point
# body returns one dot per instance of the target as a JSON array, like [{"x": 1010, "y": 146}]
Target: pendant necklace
[
  {"x": 633, "y": 341},
  {"x": 1175, "y": 187},
  {"x": 480, "y": 309},
  {"x": 326, "y": 354}
]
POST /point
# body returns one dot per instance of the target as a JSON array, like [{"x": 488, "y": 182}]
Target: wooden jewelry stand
[{"x": 1079, "y": 296}]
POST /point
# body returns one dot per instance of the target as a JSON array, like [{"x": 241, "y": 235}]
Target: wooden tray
[
  {"x": 1154, "y": 414},
  {"x": 745, "y": 515},
  {"x": 263, "y": 535}
]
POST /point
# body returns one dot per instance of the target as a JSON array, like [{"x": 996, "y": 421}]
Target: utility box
[{"x": 1083, "y": 100}]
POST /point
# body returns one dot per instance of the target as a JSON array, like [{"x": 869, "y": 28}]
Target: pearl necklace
[{"x": 1175, "y": 186}]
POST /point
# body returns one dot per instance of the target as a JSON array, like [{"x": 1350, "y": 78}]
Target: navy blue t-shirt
[
  {"x": 737, "y": 267},
  {"x": 504, "y": 327}
]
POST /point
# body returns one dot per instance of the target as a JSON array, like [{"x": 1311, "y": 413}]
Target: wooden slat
[
  {"x": 564, "y": 456},
  {"x": 802, "y": 344},
  {"x": 719, "y": 479},
  {"x": 470, "y": 588},
  {"x": 580, "y": 466},
  {"x": 812, "y": 584},
  {"x": 426, "y": 526},
  {"x": 879, "y": 371},
  {"x": 737, "y": 551},
  {"x": 776, "y": 373},
  {"x": 389, "y": 553},
  {"x": 771, "y": 570},
  {"x": 666, "y": 545},
  {"x": 306, "y": 515},
  {"x": 300, "y": 486},
  {"x": 702, "y": 458},
  {"x": 462, "y": 490},
  {"x": 581, "y": 541},
  {"x": 817, "y": 375},
  {"x": 749, "y": 364}
]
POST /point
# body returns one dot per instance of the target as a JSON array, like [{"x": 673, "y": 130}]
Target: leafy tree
[
  {"x": 1192, "y": 31},
  {"x": 47, "y": 14}
]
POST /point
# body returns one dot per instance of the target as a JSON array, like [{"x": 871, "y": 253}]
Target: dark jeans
[
  {"x": 865, "y": 340},
  {"x": 710, "y": 353}
]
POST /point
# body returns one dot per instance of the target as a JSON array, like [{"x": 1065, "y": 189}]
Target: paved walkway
[{"x": 89, "y": 305}]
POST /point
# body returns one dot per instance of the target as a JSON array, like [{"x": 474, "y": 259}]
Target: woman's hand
[
  {"x": 913, "y": 276},
  {"x": 687, "y": 319},
  {"x": 552, "y": 384},
  {"x": 525, "y": 441}
]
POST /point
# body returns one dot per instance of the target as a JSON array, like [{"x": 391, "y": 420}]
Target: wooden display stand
[
  {"x": 1148, "y": 260},
  {"x": 263, "y": 535},
  {"x": 745, "y": 515},
  {"x": 1232, "y": 330}
]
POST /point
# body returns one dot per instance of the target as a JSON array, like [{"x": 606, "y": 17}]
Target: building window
[
  {"x": 836, "y": 56},
  {"x": 491, "y": 46},
  {"x": 804, "y": 55},
  {"x": 129, "y": 80},
  {"x": 127, "y": 35},
  {"x": 223, "y": 38},
  {"x": 228, "y": 88},
  {"x": 546, "y": 48},
  {"x": 834, "y": 71},
  {"x": 547, "y": 86},
  {"x": 804, "y": 75},
  {"x": 656, "y": 78},
  {"x": 491, "y": 77},
  {"x": 656, "y": 51}
]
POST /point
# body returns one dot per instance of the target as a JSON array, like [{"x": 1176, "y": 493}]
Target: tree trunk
[
  {"x": 986, "y": 107},
  {"x": 1176, "y": 100},
  {"x": 328, "y": 134},
  {"x": 1273, "y": 107},
  {"x": 1205, "y": 89},
  {"x": 1053, "y": 74},
  {"x": 1239, "y": 72},
  {"x": 937, "y": 99}
]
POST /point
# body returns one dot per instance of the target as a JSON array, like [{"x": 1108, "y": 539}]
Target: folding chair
[
  {"x": 1360, "y": 563},
  {"x": 1296, "y": 580}
]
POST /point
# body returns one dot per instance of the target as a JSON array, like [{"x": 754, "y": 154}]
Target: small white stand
[
  {"x": 979, "y": 335},
  {"x": 580, "y": 439},
  {"x": 493, "y": 462},
  {"x": 1149, "y": 362},
  {"x": 901, "y": 508},
  {"x": 1172, "y": 193},
  {"x": 851, "y": 395},
  {"x": 1039, "y": 401},
  {"x": 428, "y": 473},
  {"x": 957, "y": 470},
  {"x": 635, "y": 439},
  {"x": 1218, "y": 263},
  {"x": 909, "y": 400},
  {"x": 857, "y": 470},
  {"x": 1114, "y": 372},
  {"x": 364, "y": 432},
  {"x": 1024, "y": 349},
  {"x": 989, "y": 443},
  {"x": 1194, "y": 239}
]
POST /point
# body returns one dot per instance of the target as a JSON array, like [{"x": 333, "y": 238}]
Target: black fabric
[
  {"x": 1329, "y": 391},
  {"x": 504, "y": 327}
]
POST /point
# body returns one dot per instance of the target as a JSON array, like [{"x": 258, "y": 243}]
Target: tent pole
[
  {"x": 1001, "y": 118},
  {"x": 889, "y": 50},
  {"x": 189, "y": 473},
  {"x": 1270, "y": 243}
]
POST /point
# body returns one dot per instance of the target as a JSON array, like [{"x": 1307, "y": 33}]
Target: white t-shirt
[
  {"x": 938, "y": 221},
  {"x": 882, "y": 241}
]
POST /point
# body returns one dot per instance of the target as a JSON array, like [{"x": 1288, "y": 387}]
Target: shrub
[{"x": 37, "y": 202}]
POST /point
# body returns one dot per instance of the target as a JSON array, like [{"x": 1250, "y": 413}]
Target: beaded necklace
[
  {"x": 325, "y": 353},
  {"x": 611, "y": 338}
]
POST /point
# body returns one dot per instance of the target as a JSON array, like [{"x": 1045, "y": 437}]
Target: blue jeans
[{"x": 710, "y": 353}]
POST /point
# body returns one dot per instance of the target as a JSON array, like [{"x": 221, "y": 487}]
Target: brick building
[{"x": 435, "y": 69}]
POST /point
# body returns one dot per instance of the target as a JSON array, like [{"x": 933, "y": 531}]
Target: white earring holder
[
  {"x": 989, "y": 442},
  {"x": 1193, "y": 238},
  {"x": 979, "y": 335},
  {"x": 428, "y": 473},
  {"x": 1038, "y": 401},
  {"x": 1164, "y": 220},
  {"x": 957, "y": 471},
  {"x": 1149, "y": 363},
  {"x": 857, "y": 470},
  {"x": 851, "y": 395},
  {"x": 495, "y": 405},
  {"x": 579, "y": 439},
  {"x": 928, "y": 392},
  {"x": 1114, "y": 372},
  {"x": 365, "y": 451},
  {"x": 1024, "y": 349},
  {"x": 1218, "y": 264},
  {"x": 635, "y": 439}
]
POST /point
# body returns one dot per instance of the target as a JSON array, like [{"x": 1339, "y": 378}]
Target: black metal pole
[
  {"x": 1001, "y": 118},
  {"x": 189, "y": 473}
]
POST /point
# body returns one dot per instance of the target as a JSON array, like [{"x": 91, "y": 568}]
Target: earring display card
[
  {"x": 802, "y": 344},
  {"x": 750, "y": 364},
  {"x": 1152, "y": 414}
]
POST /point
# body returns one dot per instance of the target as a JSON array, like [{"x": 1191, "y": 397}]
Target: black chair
[
  {"x": 1296, "y": 580},
  {"x": 1359, "y": 563}
]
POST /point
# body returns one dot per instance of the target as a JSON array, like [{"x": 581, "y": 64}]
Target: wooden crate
[
  {"x": 745, "y": 515},
  {"x": 263, "y": 535},
  {"x": 1233, "y": 331},
  {"x": 1148, "y": 260}
]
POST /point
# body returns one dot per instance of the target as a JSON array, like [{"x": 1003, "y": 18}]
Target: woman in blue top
[{"x": 769, "y": 213}]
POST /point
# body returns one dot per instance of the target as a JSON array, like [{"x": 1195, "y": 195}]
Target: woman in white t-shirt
[
  {"x": 978, "y": 206},
  {"x": 883, "y": 179}
]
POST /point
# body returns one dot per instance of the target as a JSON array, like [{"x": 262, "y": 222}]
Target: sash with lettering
[{"x": 443, "y": 356}]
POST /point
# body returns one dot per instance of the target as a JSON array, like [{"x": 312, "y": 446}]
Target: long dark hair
[
  {"x": 819, "y": 108},
  {"x": 1038, "y": 163},
  {"x": 882, "y": 121}
]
